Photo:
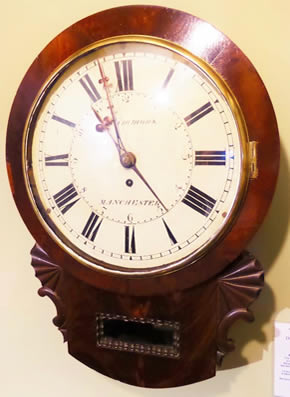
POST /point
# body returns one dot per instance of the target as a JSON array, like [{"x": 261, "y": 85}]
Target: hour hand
[{"x": 104, "y": 123}]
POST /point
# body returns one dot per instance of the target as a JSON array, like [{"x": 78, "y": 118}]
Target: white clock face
[{"x": 136, "y": 157}]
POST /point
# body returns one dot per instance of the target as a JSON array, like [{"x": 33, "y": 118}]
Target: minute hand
[
  {"x": 111, "y": 107},
  {"x": 147, "y": 184}
]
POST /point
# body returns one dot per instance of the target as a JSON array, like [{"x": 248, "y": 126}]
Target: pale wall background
[{"x": 33, "y": 359}]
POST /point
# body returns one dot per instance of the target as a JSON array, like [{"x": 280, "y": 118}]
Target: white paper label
[{"x": 282, "y": 360}]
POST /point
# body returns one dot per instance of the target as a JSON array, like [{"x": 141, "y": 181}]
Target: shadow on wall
[{"x": 265, "y": 246}]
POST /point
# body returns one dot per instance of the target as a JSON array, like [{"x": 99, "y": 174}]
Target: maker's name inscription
[{"x": 131, "y": 203}]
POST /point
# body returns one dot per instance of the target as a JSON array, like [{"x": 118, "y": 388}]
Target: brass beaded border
[{"x": 140, "y": 348}]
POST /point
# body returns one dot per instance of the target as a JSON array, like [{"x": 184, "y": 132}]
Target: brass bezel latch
[{"x": 253, "y": 157}]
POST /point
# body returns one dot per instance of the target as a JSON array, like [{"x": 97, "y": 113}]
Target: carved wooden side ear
[
  {"x": 50, "y": 276},
  {"x": 237, "y": 288}
]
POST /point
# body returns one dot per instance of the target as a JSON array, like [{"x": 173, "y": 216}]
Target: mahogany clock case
[
  {"x": 193, "y": 307},
  {"x": 205, "y": 42}
]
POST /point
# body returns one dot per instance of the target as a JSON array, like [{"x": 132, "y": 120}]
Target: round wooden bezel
[{"x": 229, "y": 62}]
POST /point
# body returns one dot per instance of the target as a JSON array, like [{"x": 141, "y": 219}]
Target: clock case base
[{"x": 154, "y": 341}]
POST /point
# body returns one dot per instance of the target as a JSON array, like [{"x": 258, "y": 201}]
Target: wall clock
[{"x": 142, "y": 152}]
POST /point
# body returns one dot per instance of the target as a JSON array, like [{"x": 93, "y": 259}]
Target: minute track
[{"x": 86, "y": 176}]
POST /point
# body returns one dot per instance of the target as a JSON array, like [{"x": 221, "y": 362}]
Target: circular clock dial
[{"x": 134, "y": 154}]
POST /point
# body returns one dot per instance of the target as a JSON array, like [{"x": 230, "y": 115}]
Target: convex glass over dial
[{"x": 135, "y": 156}]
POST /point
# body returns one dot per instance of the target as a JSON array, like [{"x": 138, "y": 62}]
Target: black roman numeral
[
  {"x": 168, "y": 78},
  {"x": 90, "y": 88},
  {"x": 210, "y": 157},
  {"x": 64, "y": 199},
  {"x": 169, "y": 232},
  {"x": 198, "y": 114},
  {"x": 92, "y": 227},
  {"x": 58, "y": 160},
  {"x": 130, "y": 244},
  {"x": 63, "y": 121},
  {"x": 124, "y": 75},
  {"x": 199, "y": 201}
]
